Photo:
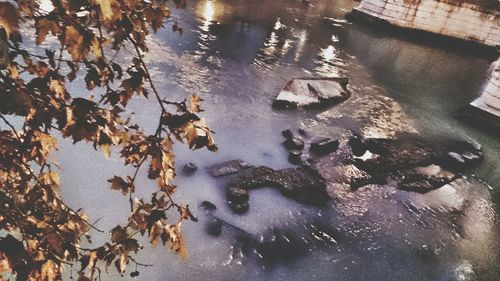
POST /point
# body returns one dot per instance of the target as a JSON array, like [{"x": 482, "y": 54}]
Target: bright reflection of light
[
  {"x": 329, "y": 53},
  {"x": 302, "y": 36},
  {"x": 46, "y": 6},
  {"x": 328, "y": 63},
  {"x": 278, "y": 25},
  {"x": 209, "y": 11}
]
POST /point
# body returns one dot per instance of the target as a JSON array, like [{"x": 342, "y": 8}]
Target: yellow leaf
[
  {"x": 107, "y": 7},
  {"x": 14, "y": 72},
  {"x": 194, "y": 104},
  {"x": 75, "y": 43},
  {"x": 96, "y": 48},
  {"x": 106, "y": 150},
  {"x": 58, "y": 88},
  {"x": 47, "y": 142},
  {"x": 50, "y": 271}
]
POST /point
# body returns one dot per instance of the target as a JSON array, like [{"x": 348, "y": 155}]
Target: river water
[{"x": 237, "y": 55}]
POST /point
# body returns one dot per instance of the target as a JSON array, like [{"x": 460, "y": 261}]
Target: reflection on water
[{"x": 237, "y": 54}]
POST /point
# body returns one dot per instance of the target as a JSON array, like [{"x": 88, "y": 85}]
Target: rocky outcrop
[
  {"x": 301, "y": 184},
  {"x": 415, "y": 164},
  {"x": 310, "y": 92},
  {"x": 477, "y": 21}
]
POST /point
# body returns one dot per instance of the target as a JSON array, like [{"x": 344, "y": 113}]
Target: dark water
[{"x": 237, "y": 55}]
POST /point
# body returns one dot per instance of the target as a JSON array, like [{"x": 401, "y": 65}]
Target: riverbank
[{"x": 471, "y": 21}]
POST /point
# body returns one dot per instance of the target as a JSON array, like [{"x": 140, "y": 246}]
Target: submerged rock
[
  {"x": 227, "y": 168},
  {"x": 307, "y": 92},
  {"x": 287, "y": 134},
  {"x": 294, "y": 143},
  {"x": 189, "y": 168},
  {"x": 213, "y": 226},
  {"x": 207, "y": 206}
]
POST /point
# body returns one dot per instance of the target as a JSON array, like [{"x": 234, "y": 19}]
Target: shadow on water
[{"x": 237, "y": 55}]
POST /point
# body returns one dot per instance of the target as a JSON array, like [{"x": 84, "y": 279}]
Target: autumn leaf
[
  {"x": 9, "y": 17},
  {"x": 118, "y": 183},
  {"x": 43, "y": 26},
  {"x": 96, "y": 48},
  {"x": 76, "y": 44},
  {"x": 107, "y": 9},
  {"x": 194, "y": 104},
  {"x": 50, "y": 271}
]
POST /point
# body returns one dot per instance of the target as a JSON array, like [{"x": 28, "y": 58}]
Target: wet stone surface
[{"x": 312, "y": 92}]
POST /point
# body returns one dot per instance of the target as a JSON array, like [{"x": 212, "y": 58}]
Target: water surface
[{"x": 237, "y": 55}]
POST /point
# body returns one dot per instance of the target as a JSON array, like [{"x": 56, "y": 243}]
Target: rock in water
[
  {"x": 324, "y": 146},
  {"x": 307, "y": 92},
  {"x": 295, "y": 156},
  {"x": 287, "y": 134},
  {"x": 227, "y": 168},
  {"x": 294, "y": 143},
  {"x": 207, "y": 206},
  {"x": 213, "y": 226},
  {"x": 237, "y": 195},
  {"x": 189, "y": 168}
]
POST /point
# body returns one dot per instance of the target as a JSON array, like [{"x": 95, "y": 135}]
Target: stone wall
[
  {"x": 459, "y": 19},
  {"x": 489, "y": 100}
]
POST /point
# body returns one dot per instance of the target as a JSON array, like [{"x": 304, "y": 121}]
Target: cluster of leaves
[{"x": 43, "y": 234}]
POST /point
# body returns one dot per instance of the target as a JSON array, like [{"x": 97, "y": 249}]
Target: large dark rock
[
  {"x": 227, "y": 168},
  {"x": 300, "y": 184},
  {"x": 459, "y": 155},
  {"x": 308, "y": 92}
]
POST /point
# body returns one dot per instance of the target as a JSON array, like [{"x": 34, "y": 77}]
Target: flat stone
[
  {"x": 324, "y": 146},
  {"x": 307, "y": 92},
  {"x": 227, "y": 168}
]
